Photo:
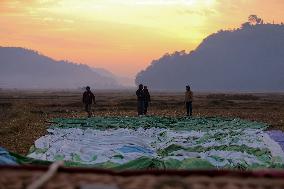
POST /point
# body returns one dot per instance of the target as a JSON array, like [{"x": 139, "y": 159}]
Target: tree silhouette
[
  {"x": 246, "y": 25},
  {"x": 254, "y": 19}
]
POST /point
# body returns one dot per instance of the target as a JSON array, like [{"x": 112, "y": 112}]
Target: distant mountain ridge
[
  {"x": 250, "y": 58},
  {"x": 124, "y": 81},
  {"x": 22, "y": 68}
]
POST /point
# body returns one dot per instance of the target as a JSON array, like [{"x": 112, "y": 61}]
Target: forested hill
[
  {"x": 22, "y": 68},
  {"x": 250, "y": 58}
]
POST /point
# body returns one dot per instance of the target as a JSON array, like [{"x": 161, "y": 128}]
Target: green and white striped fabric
[{"x": 159, "y": 142}]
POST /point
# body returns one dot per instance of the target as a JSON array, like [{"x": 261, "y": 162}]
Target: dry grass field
[{"x": 24, "y": 114}]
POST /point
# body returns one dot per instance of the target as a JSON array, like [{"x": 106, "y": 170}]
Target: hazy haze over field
[{"x": 26, "y": 69}]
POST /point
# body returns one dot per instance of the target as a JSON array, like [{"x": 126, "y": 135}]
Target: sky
[{"x": 122, "y": 36}]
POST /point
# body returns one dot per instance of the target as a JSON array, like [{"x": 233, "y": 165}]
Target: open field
[{"x": 24, "y": 114}]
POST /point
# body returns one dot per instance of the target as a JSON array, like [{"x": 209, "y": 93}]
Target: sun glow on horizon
[{"x": 122, "y": 35}]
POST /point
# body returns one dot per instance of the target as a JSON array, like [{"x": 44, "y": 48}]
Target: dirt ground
[{"x": 24, "y": 114}]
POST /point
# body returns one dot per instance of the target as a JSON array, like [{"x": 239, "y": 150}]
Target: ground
[{"x": 24, "y": 115}]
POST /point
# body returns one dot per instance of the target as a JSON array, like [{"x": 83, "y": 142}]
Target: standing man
[
  {"x": 147, "y": 99},
  {"x": 140, "y": 100},
  {"x": 88, "y": 99},
  {"x": 188, "y": 101}
]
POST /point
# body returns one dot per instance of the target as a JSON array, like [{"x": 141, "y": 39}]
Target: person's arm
[{"x": 138, "y": 94}]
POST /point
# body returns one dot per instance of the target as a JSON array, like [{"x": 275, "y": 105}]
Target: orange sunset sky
[{"x": 123, "y": 36}]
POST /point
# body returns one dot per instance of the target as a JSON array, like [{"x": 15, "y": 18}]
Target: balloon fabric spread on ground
[{"x": 159, "y": 142}]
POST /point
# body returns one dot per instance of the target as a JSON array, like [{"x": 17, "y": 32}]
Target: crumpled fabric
[
  {"x": 6, "y": 158},
  {"x": 218, "y": 141}
]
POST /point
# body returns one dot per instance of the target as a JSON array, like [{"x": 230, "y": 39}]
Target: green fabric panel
[
  {"x": 243, "y": 148},
  {"x": 195, "y": 163},
  {"x": 178, "y": 123},
  {"x": 148, "y": 163},
  {"x": 140, "y": 163},
  {"x": 26, "y": 160},
  {"x": 172, "y": 164}
]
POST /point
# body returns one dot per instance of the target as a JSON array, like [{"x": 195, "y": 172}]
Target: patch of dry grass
[{"x": 23, "y": 115}]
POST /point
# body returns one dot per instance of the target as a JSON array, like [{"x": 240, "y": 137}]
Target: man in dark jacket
[
  {"x": 140, "y": 100},
  {"x": 188, "y": 100},
  {"x": 88, "y": 99},
  {"x": 147, "y": 99}
]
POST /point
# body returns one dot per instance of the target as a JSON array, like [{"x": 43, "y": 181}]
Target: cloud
[
  {"x": 174, "y": 2},
  {"x": 203, "y": 12},
  {"x": 8, "y": 6}
]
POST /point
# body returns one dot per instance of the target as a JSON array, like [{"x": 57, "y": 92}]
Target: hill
[
  {"x": 22, "y": 68},
  {"x": 250, "y": 58}
]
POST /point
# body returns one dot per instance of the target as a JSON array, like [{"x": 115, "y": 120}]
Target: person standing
[
  {"x": 140, "y": 100},
  {"x": 88, "y": 99},
  {"x": 147, "y": 99},
  {"x": 188, "y": 101}
]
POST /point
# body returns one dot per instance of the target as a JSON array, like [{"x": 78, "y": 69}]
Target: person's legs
[
  {"x": 88, "y": 109},
  {"x": 190, "y": 108},
  {"x": 91, "y": 110},
  {"x": 140, "y": 107},
  {"x": 187, "y": 108},
  {"x": 145, "y": 107}
]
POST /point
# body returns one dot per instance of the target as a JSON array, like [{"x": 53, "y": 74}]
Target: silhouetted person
[
  {"x": 188, "y": 101},
  {"x": 88, "y": 99},
  {"x": 147, "y": 99},
  {"x": 140, "y": 100}
]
